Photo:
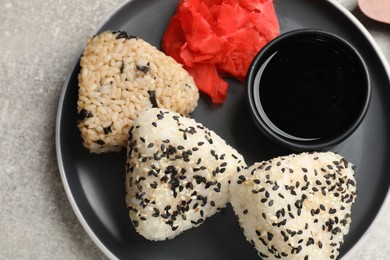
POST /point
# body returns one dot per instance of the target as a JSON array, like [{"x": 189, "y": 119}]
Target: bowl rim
[{"x": 299, "y": 145}]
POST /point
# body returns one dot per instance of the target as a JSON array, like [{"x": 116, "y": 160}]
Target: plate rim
[
  {"x": 348, "y": 255},
  {"x": 386, "y": 202}
]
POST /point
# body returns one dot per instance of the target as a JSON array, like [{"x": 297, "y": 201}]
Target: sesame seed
[
  {"x": 310, "y": 241},
  {"x": 263, "y": 241}
]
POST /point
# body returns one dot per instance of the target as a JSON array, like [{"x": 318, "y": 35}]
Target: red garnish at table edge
[{"x": 215, "y": 38}]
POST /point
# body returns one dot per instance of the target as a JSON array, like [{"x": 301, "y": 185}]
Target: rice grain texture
[
  {"x": 121, "y": 75},
  {"x": 296, "y": 206},
  {"x": 177, "y": 173}
]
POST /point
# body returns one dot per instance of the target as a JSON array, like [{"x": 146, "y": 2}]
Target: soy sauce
[{"x": 310, "y": 89}]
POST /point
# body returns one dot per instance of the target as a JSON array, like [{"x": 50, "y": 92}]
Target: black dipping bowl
[{"x": 308, "y": 90}]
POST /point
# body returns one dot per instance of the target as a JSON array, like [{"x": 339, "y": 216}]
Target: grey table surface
[{"x": 39, "y": 41}]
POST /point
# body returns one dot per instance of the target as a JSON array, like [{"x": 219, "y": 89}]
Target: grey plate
[{"x": 95, "y": 183}]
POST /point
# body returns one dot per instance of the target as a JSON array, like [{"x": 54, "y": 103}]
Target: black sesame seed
[
  {"x": 263, "y": 255},
  {"x": 143, "y": 68},
  {"x": 283, "y": 222},
  {"x": 298, "y": 204},
  {"x": 263, "y": 241},
  {"x": 336, "y": 230}
]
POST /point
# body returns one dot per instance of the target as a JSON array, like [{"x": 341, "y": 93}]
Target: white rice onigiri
[
  {"x": 120, "y": 76},
  {"x": 297, "y": 206},
  {"x": 177, "y": 173}
]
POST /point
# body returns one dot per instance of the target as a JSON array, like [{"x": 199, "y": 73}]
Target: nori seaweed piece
[
  {"x": 122, "y": 67},
  {"x": 143, "y": 68},
  {"x": 107, "y": 130},
  {"x": 123, "y": 34},
  {"x": 83, "y": 114},
  {"x": 152, "y": 98}
]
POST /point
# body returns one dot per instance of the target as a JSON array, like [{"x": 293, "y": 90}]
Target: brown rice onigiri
[{"x": 120, "y": 76}]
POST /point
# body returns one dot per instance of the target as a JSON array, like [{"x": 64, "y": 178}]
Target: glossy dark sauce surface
[{"x": 311, "y": 89}]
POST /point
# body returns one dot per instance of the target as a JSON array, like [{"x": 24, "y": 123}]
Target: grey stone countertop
[{"x": 39, "y": 41}]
